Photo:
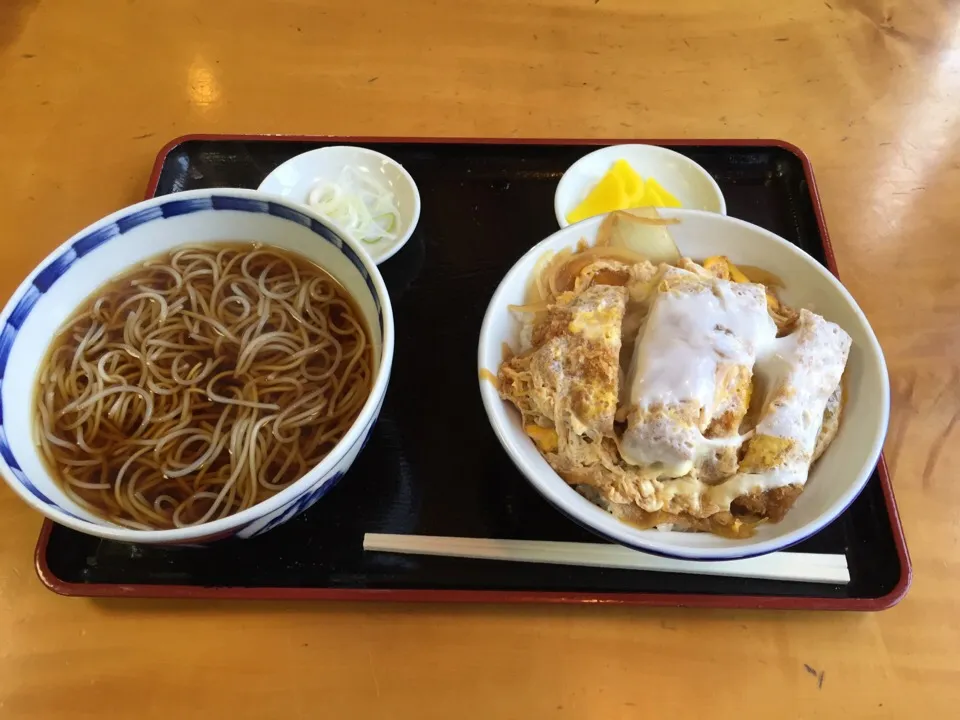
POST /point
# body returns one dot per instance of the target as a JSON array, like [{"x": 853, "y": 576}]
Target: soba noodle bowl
[{"x": 199, "y": 384}]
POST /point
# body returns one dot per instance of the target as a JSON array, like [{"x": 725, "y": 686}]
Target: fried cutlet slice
[
  {"x": 690, "y": 374},
  {"x": 570, "y": 379},
  {"x": 803, "y": 374}
]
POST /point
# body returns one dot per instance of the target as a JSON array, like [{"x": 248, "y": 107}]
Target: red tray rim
[{"x": 101, "y": 590}]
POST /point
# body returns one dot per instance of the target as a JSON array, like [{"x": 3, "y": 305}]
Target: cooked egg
[
  {"x": 723, "y": 269},
  {"x": 766, "y": 452},
  {"x": 545, "y": 438},
  {"x": 599, "y": 324}
]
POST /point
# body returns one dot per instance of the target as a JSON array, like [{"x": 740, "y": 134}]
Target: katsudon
[{"x": 675, "y": 394}]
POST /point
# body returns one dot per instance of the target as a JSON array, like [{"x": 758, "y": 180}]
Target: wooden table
[{"x": 90, "y": 90}]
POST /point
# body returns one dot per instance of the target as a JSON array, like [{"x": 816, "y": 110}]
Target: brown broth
[{"x": 270, "y": 384}]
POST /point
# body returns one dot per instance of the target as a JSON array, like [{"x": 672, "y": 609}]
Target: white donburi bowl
[
  {"x": 73, "y": 271},
  {"x": 693, "y": 186},
  {"x": 294, "y": 179},
  {"x": 835, "y": 480}
]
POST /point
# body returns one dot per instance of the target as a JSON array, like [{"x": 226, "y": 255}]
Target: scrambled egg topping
[
  {"x": 546, "y": 439},
  {"x": 597, "y": 324},
  {"x": 722, "y": 268},
  {"x": 765, "y": 452}
]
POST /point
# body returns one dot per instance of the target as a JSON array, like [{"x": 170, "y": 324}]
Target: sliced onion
[{"x": 359, "y": 203}]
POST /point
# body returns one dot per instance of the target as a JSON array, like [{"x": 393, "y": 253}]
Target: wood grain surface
[{"x": 870, "y": 90}]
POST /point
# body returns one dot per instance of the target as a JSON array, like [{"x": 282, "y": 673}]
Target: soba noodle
[{"x": 200, "y": 384}]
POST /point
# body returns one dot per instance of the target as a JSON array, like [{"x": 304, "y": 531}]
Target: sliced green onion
[{"x": 359, "y": 203}]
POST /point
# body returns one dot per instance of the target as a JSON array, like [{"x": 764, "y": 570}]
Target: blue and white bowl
[{"x": 52, "y": 292}]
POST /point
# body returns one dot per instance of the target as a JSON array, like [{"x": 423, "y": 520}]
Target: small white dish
[
  {"x": 294, "y": 179},
  {"x": 693, "y": 186},
  {"x": 835, "y": 480}
]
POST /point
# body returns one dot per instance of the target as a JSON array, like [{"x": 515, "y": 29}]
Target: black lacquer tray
[{"x": 433, "y": 465}]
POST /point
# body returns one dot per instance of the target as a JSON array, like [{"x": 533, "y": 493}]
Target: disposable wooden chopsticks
[{"x": 795, "y": 566}]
